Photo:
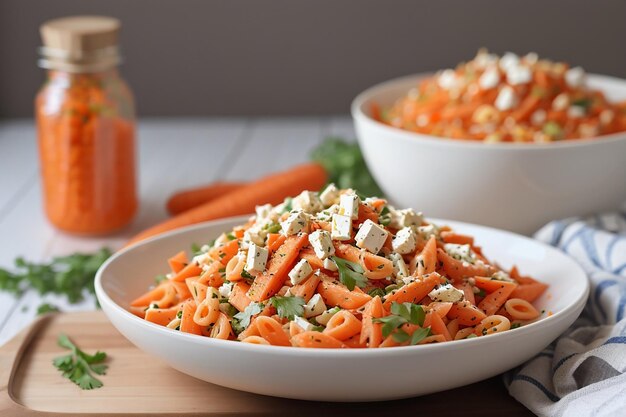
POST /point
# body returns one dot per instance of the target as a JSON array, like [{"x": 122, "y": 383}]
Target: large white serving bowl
[
  {"x": 336, "y": 374},
  {"x": 513, "y": 186}
]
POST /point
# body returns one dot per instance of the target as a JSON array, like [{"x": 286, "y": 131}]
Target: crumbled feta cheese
[
  {"x": 263, "y": 212},
  {"x": 405, "y": 218},
  {"x": 404, "y": 241},
  {"x": 538, "y": 117},
  {"x": 349, "y": 205},
  {"x": 301, "y": 271},
  {"x": 531, "y": 58},
  {"x": 484, "y": 59},
  {"x": 448, "y": 80},
  {"x": 606, "y": 117},
  {"x": 202, "y": 259},
  {"x": 257, "y": 258},
  {"x": 371, "y": 236},
  {"x": 400, "y": 270},
  {"x": 560, "y": 102},
  {"x": 314, "y": 307},
  {"x": 327, "y": 214},
  {"x": 507, "y": 99},
  {"x": 575, "y": 77},
  {"x": 460, "y": 252},
  {"x": 502, "y": 276},
  {"x": 303, "y": 323},
  {"x": 425, "y": 232},
  {"x": 308, "y": 201},
  {"x": 508, "y": 60},
  {"x": 325, "y": 317},
  {"x": 576, "y": 112},
  {"x": 330, "y": 195},
  {"x": 322, "y": 244},
  {"x": 446, "y": 293},
  {"x": 295, "y": 223},
  {"x": 225, "y": 289},
  {"x": 341, "y": 227},
  {"x": 330, "y": 264},
  {"x": 255, "y": 235},
  {"x": 489, "y": 79},
  {"x": 422, "y": 120},
  {"x": 518, "y": 75}
]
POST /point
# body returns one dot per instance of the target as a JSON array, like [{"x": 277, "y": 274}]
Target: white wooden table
[{"x": 173, "y": 154}]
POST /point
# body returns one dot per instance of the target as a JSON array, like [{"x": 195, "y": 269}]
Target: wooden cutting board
[{"x": 139, "y": 384}]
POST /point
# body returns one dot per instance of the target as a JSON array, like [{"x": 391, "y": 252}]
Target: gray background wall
[{"x": 260, "y": 57}]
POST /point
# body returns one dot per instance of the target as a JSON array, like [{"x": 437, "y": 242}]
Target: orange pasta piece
[
  {"x": 161, "y": 316},
  {"x": 336, "y": 294},
  {"x": 274, "y": 241},
  {"x": 214, "y": 275},
  {"x": 235, "y": 268},
  {"x": 441, "y": 308},
  {"x": 255, "y": 340},
  {"x": 238, "y": 296},
  {"x": 457, "y": 270},
  {"x": 426, "y": 261},
  {"x": 354, "y": 342},
  {"x": 466, "y": 313},
  {"x": 312, "y": 259},
  {"x": 191, "y": 270},
  {"x": 457, "y": 238},
  {"x": 225, "y": 252},
  {"x": 371, "y": 333},
  {"x": 187, "y": 325},
  {"x": 271, "y": 280},
  {"x": 178, "y": 261},
  {"x": 251, "y": 330},
  {"x": 529, "y": 292},
  {"x": 222, "y": 328},
  {"x": 437, "y": 326},
  {"x": 312, "y": 339},
  {"x": 197, "y": 290},
  {"x": 414, "y": 291},
  {"x": 343, "y": 325},
  {"x": 306, "y": 289},
  {"x": 181, "y": 289},
  {"x": 376, "y": 267},
  {"x": 500, "y": 291},
  {"x": 163, "y": 296},
  {"x": 272, "y": 331}
]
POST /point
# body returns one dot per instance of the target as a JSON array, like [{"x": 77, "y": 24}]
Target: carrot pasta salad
[
  {"x": 507, "y": 99},
  {"x": 331, "y": 270}
]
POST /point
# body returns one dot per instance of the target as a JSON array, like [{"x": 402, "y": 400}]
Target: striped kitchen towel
[{"x": 583, "y": 372}]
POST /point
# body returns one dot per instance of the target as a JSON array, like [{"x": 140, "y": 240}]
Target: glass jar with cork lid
[{"x": 86, "y": 127}]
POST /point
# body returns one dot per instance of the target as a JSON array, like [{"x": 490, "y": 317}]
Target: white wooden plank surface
[{"x": 173, "y": 154}]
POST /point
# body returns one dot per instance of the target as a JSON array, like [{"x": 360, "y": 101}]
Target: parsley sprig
[
  {"x": 402, "y": 314},
  {"x": 350, "y": 273},
  {"x": 244, "y": 317},
  {"x": 79, "y": 366},
  {"x": 67, "y": 275},
  {"x": 288, "y": 307}
]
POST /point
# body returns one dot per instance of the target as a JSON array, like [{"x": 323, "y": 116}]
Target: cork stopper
[{"x": 80, "y": 43}]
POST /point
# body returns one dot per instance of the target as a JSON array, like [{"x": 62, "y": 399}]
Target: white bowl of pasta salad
[
  {"x": 334, "y": 297},
  {"x": 481, "y": 145}
]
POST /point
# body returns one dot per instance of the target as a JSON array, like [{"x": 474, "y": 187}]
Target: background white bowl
[
  {"x": 518, "y": 187},
  {"x": 333, "y": 374}
]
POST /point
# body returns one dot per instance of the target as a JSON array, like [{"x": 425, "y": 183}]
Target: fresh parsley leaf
[
  {"x": 350, "y": 273},
  {"x": 401, "y": 336},
  {"x": 515, "y": 325},
  {"x": 585, "y": 103},
  {"x": 344, "y": 163},
  {"x": 244, "y": 317},
  {"x": 481, "y": 293},
  {"x": 376, "y": 292},
  {"x": 78, "y": 366},
  {"x": 272, "y": 227},
  {"x": 419, "y": 335},
  {"x": 288, "y": 205},
  {"x": 230, "y": 236},
  {"x": 246, "y": 274},
  {"x": 288, "y": 307},
  {"x": 46, "y": 308},
  {"x": 159, "y": 279},
  {"x": 401, "y": 314},
  {"x": 70, "y": 276},
  {"x": 385, "y": 216}
]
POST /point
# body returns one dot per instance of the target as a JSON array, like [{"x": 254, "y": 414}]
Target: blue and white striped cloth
[{"x": 583, "y": 372}]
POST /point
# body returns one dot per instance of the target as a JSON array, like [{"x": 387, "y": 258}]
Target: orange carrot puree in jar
[{"x": 86, "y": 127}]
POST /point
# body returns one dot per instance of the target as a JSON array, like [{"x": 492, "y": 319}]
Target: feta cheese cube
[
  {"x": 330, "y": 195},
  {"x": 502, "y": 276},
  {"x": 425, "y": 232},
  {"x": 518, "y": 75},
  {"x": 330, "y": 264},
  {"x": 301, "y": 271},
  {"x": 538, "y": 117},
  {"x": 341, "y": 227},
  {"x": 263, "y": 212},
  {"x": 560, "y": 102},
  {"x": 448, "y": 80},
  {"x": 322, "y": 244},
  {"x": 446, "y": 293},
  {"x": 295, "y": 223},
  {"x": 575, "y": 77},
  {"x": 349, "y": 205},
  {"x": 489, "y": 79},
  {"x": 325, "y": 317},
  {"x": 371, "y": 236},
  {"x": 303, "y": 323},
  {"x": 314, "y": 307},
  {"x": 400, "y": 269},
  {"x": 327, "y": 214},
  {"x": 255, "y": 235},
  {"x": 507, "y": 99},
  {"x": 308, "y": 201},
  {"x": 404, "y": 241},
  {"x": 257, "y": 258},
  {"x": 576, "y": 112},
  {"x": 460, "y": 252},
  {"x": 509, "y": 60},
  {"x": 225, "y": 289},
  {"x": 405, "y": 218}
]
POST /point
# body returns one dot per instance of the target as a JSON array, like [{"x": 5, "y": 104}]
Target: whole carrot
[
  {"x": 271, "y": 189},
  {"x": 193, "y": 197}
]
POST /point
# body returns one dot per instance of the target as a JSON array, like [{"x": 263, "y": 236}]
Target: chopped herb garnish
[
  {"x": 78, "y": 366},
  {"x": 160, "y": 278},
  {"x": 515, "y": 325},
  {"x": 230, "y": 236},
  {"x": 246, "y": 274},
  {"x": 385, "y": 216},
  {"x": 481, "y": 293},
  {"x": 402, "y": 314},
  {"x": 272, "y": 227},
  {"x": 288, "y": 307},
  {"x": 376, "y": 292},
  {"x": 350, "y": 273},
  {"x": 245, "y": 316}
]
